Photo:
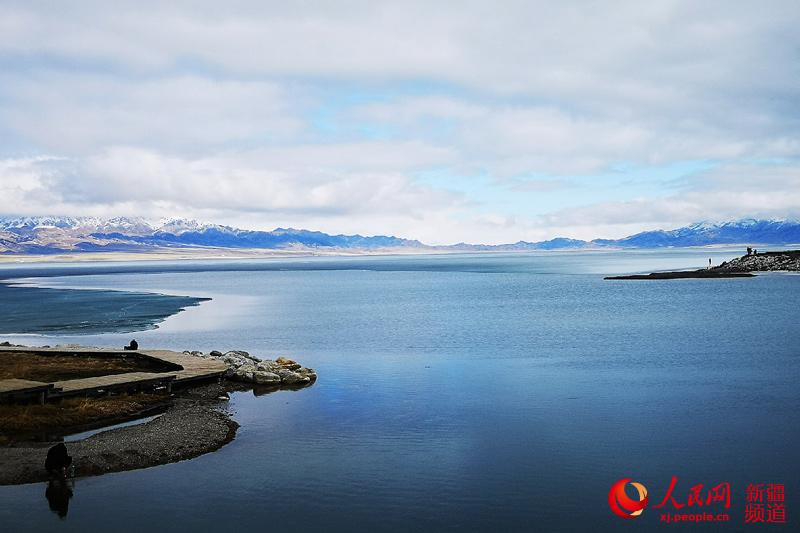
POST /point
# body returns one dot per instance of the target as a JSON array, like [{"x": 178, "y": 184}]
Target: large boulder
[
  {"x": 288, "y": 363},
  {"x": 310, "y": 373},
  {"x": 288, "y": 377},
  {"x": 268, "y": 366},
  {"x": 235, "y": 360},
  {"x": 244, "y": 373},
  {"x": 261, "y": 377},
  {"x": 249, "y": 369},
  {"x": 242, "y": 354}
]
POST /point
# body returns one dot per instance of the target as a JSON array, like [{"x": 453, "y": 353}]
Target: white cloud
[
  {"x": 509, "y": 141},
  {"x": 82, "y": 113},
  {"x": 213, "y": 109},
  {"x": 235, "y": 189},
  {"x": 346, "y": 180},
  {"x": 725, "y": 193}
]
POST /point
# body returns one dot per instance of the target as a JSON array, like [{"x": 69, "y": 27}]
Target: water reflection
[
  {"x": 58, "y": 493},
  {"x": 262, "y": 390}
]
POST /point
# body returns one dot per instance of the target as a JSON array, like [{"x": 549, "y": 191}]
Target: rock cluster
[
  {"x": 250, "y": 369},
  {"x": 764, "y": 262}
]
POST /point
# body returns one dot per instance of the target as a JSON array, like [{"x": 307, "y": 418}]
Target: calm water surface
[{"x": 473, "y": 393}]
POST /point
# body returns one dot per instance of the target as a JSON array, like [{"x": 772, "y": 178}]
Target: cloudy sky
[{"x": 442, "y": 121}]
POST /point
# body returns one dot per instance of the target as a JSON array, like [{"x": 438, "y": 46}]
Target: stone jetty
[
  {"x": 786, "y": 261},
  {"x": 250, "y": 369},
  {"x": 741, "y": 267}
]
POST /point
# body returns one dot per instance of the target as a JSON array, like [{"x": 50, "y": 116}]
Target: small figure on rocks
[
  {"x": 58, "y": 461},
  {"x": 749, "y": 250},
  {"x": 133, "y": 345},
  {"x": 709, "y": 262}
]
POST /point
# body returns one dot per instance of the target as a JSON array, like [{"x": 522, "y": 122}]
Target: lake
[{"x": 495, "y": 392}]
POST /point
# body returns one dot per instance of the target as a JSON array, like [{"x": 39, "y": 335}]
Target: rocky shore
[
  {"x": 741, "y": 267},
  {"x": 194, "y": 425},
  {"x": 686, "y": 274},
  {"x": 250, "y": 369},
  {"x": 196, "y": 421},
  {"x": 788, "y": 261}
]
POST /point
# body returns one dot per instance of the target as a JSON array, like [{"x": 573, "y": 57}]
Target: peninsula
[
  {"x": 48, "y": 394},
  {"x": 741, "y": 267}
]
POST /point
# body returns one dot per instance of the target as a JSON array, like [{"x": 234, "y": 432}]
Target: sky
[{"x": 447, "y": 122}]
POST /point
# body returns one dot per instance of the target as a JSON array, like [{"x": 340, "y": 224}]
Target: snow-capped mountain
[
  {"x": 51, "y": 235},
  {"x": 32, "y": 223},
  {"x": 746, "y": 231},
  {"x": 131, "y": 226},
  {"x": 177, "y": 226}
]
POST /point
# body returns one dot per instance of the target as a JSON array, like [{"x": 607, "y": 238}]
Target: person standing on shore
[
  {"x": 58, "y": 461},
  {"x": 709, "y": 262}
]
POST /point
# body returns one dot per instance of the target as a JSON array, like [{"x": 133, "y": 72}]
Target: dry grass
[
  {"x": 73, "y": 412},
  {"x": 26, "y": 419},
  {"x": 50, "y": 368}
]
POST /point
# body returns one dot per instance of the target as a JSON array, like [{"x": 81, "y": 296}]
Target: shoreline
[
  {"x": 196, "y": 424},
  {"x": 233, "y": 254},
  {"x": 194, "y": 421},
  {"x": 741, "y": 267},
  {"x": 220, "y": 254},
  {"x": 683, "y": 274}
]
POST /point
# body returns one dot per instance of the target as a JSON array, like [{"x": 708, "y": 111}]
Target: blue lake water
[{"x": 472, "y": 393}]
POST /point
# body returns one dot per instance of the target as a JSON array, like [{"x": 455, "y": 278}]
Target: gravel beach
[{"x": 197, "y": 423}]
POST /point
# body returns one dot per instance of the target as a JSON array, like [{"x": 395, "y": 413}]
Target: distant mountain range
[{"x": 56, "y": 235}]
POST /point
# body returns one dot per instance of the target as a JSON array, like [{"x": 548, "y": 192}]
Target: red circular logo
[{"x": 623, "y": 505}]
